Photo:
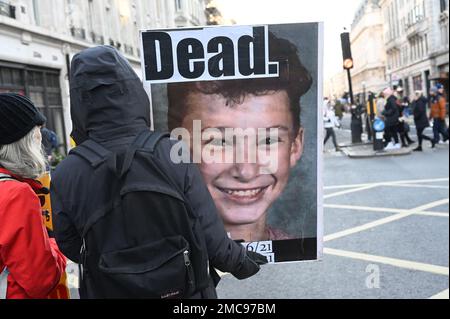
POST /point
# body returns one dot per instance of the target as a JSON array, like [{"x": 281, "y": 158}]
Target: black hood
[{"x": 107, "y": 99}]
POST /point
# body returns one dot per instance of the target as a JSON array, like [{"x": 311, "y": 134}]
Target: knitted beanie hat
[{"x": 18, "y": 116}]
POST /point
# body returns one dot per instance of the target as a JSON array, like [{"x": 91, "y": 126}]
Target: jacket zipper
[{"x": 188, "y": 264}]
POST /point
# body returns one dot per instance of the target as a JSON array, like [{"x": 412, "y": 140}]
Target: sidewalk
[{"x": 366, "y": 150}]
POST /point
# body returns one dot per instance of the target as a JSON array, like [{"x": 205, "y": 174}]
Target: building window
[
  {"x": 91, "y": 17},
  {"x": 42, "y": 86},
  {"x": 420, "y": 47},
  {"x": 7, "y": 10},
  {"x": 443, "y": 5},
  {"x": 386, "y": 25},
  {"x": 405, "y": 55},
  {"x": 11, "y": 80},
  {"x": 417, "y": 83},
  {"x": 178, "y": 5}
]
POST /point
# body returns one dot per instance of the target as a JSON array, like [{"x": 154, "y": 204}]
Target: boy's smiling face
[{"x": 241, "y": 192}]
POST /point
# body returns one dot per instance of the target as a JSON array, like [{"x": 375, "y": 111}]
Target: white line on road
[
  {"x": 441, "y": 295},
  {"x": 440, "y": 270},
  {"x": 421, "y": 186},
  {"x": 431, "y": 205},
  {"x": 353, "y": 190},
  {"x": 385, "y": 220},
  {"x": 389, "y": 183},
  {"x": 367, "y": 226},
  {"x": 384, "y": 210},
  {"x": 434, "y": 214}
]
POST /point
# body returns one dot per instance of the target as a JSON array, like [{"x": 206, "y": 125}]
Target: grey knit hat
[{"x": 18, "y": 116}]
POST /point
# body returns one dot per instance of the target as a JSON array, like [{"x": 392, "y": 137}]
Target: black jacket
[
  {"x": 420, "y": 113},
  {"x": 111, "y": 107},
  {"x": 391, "y": 112}
]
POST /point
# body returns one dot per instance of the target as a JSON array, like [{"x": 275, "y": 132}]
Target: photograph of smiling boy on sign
[{"x": 254, "y": 137}]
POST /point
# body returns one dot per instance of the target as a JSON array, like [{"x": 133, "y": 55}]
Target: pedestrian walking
[
  {"x": 330, "y": 122},
  {"x": 339, "y": 109},
  {"x": 437, "y": 114},
  {"x": 391, "y": 116},
  {"x": 50, "y": 142},
  {"x": 381, "y": 102},
  {"x": 31, "y": 264},
  {"x": 403, "y": 126},
  {"x": 369, "y": 128},
  {"x": 146, "y": 227},
  {"x": 420, "y": 119}
]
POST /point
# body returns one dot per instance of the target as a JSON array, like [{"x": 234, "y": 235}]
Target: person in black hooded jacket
[
  {"x": 391, "y": 116},
  {"x": 421, "y": 119},
  {"x": 110, "y": 107}
]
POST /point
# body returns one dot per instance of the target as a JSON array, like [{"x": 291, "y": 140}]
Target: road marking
[
  {"x": 433, "y": 214},
  {"x": 364, "y": 227},
  {"x": 384, "y": 210},
  {"x": 441, "y": 295},
  {"x": 353, "y": 190},
  {"x": 420, "y": 186},
  {"x": 431, "y": 205},
  {"x": 348, "y": 186},
  {"x": 440, "y": 270},
  {"x": 415, "y": 181},
  {"x": 385, "y": 220}
]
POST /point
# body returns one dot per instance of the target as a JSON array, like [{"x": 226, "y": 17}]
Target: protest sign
[
  {"x": 61, "y": 291},
  {"x": 243, "y": 102}
]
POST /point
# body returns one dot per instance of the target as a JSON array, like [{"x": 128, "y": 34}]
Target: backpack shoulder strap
[
  {"x": 92, "y": 152},
  {"x": 146, "y": 140}
]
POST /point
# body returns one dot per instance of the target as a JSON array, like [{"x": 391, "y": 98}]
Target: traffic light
[{"x": 346, "y": 51}]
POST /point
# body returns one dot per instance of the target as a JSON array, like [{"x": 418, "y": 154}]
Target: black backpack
[{"x": 146, "y": 242}]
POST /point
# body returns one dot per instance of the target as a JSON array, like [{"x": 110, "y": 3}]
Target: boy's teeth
[{"x": 246, "y": 193}]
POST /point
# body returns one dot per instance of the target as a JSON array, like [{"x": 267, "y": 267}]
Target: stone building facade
[
  {"x": 416, "y": 43},
  {"x": 369, "y": 55},
  {"x": 38, "y": 38}
]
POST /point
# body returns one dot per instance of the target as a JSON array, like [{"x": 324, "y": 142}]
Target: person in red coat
[{"x": 31, "y": 264}]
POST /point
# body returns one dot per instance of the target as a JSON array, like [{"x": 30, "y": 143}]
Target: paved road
[{"x": 386, "y": 225}]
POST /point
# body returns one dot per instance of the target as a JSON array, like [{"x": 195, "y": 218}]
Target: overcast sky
[{"x": 336, "y": 14}]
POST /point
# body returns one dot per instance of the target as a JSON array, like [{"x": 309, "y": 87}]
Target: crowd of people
[{"x": 395, "y": 108}]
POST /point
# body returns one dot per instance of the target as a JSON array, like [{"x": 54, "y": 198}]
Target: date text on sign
[{"x": 262, "y": 247}]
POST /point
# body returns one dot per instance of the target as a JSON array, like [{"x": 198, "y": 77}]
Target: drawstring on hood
[{"x": 107, "y": 99}]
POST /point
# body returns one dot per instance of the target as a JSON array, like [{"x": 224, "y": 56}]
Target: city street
[
  {"x": 386, "y": 226},
  {"x": 82, "y": 83}
]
